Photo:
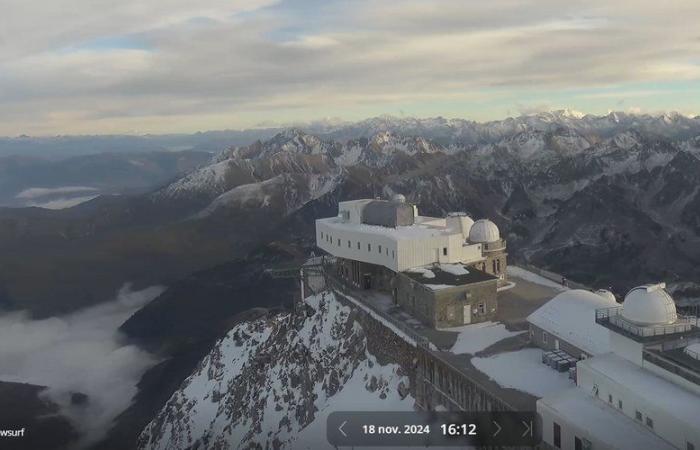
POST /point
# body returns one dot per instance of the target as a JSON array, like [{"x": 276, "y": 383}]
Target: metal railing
[
  {"x": 338, "y": 286},
  {"x": 613, "y": 316},
  {"x": 552, "y": 276},
  {"x": 666, "y": 364},
  {"x": 494, "y": 246}
]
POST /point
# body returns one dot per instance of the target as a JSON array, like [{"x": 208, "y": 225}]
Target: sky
[{"x": 162, "y": 66}]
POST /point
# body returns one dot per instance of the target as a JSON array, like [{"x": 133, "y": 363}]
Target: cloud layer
[
  {"x": 79, "y": 353},
  {"x": 81, "y": 66}
]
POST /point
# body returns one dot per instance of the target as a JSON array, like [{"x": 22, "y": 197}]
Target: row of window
[{"x": 328, "y": 238}]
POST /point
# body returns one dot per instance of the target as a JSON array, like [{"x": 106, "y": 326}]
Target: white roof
[
  {"x": 570, "y": 316},
  {"x": 425, "y": 227},
  {"x": 678, "y": 402},
  {"x": 649, "y": 305},
  {"x": 604, "y": 423},
  {"x": 484, "y": 231}
]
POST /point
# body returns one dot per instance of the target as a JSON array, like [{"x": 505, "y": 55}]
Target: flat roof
[
  {"x": 571, "y": 315},
  {"x": 604, "y": 423},
  {"x": 443, "y": 276},
  {"x": 424, "y": 227},
  {"x": 681, "y": 403}
]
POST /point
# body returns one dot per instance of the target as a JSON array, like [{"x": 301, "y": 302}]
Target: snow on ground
[
  {"x": 523, "y": 274},
  {"x": 454, "y": 269},
  {"x": 531, "y": 375},
  {"x": 479, "y": 336}
]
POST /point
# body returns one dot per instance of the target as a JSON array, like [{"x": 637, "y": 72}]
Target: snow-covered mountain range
[{"x": 596, "y": 191}]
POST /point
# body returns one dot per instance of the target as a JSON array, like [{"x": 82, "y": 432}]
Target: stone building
[{"x": 445, "y": 270}]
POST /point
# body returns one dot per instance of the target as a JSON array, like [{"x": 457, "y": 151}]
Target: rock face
[{"x": 271, "y": 383}]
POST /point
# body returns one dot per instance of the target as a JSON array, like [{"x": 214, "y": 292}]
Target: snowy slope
[{"x": 272, "y": 382}]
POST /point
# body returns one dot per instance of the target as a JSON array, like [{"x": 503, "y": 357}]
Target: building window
[
  {"x": 494, "y": 266},
  {"x": 444, "y": 251},
  {"x": 321, "y": 234},
  {"x": 482, "y": 308},
  {"x": 689, "y": 446},
  {"x": 578, "y": 443},
  {"x": 338, "y": 242},
  {"x": 349, "y": 244},
  {"x": 387, "y": 251},
  {"x": 358, "y": 245},
  {"x": 650, "y": 423},
  {"x": 638, "y": 415},
  {"x": 498, "y": 266},
  {"x": 609, "y": 398},
  {"x": 544, "y": 337},
  {"x": 393, "y": 254},
  {"x": 379, "y": 248},
  {"x": 557, "y": 435},
  {"x": 619, "y": 404},
  {"x": 369, "y": 247}
]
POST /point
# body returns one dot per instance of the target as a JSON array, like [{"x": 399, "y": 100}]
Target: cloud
[
  {"x": 80, "y": 352},
  {"x": 63, "y": 202},
  {"x": 182, "y": 66},
  {"x": 36, "y": 192}
]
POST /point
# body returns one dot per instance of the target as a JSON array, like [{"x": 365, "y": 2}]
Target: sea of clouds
[{"x": 81, "y": 352}]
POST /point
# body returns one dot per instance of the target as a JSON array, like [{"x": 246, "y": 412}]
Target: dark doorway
[{"x": 367, "y": 281}]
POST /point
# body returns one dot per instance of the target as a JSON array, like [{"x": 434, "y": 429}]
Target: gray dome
[
  {"x": 649, "y": 305},
  {"x": 484, "y": 231},
  {"x": 398, "y": 198}
]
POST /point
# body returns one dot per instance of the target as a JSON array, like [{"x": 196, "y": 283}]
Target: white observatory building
[
  {"x": 643, "y": 392},
  {"x": 442, "y": 270}
]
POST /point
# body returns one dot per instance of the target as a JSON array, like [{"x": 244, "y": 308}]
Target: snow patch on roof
[
  {"x": 570, "y": 316},
  {"x": 454, "y": 269},
  {"x": 427, "y": 273}
]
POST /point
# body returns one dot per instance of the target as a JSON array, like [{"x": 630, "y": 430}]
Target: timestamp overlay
[{"x": 426, "y": 428}]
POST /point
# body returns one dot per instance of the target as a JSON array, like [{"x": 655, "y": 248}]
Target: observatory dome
[
  {"x": 484, "y": 231},
  {"x": 649, "y": 305},
  {"x": 606, "y": 294}
]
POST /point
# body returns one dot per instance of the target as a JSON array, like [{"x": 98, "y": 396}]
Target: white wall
[
  {"x": 387, "y": 258},
  {"x": 625, "y": 347},
  {"x": 410, "y": 251},
  {"x": 568, "y": 430},
  {"x": 666, "y": 425}
]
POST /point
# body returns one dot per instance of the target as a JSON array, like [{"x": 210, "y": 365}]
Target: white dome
[
  {"x": 606, "y": 294},
  {"x": 693, "y": 350},
  {"x": 484, "y": 231},
  {"x": 649, "y": 305}
]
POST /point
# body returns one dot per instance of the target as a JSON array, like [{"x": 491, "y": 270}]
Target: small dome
[
  {"x": 606, "y": 294},
  {"x": 693, "y": 350},
  {"x": 649, "y": 305},
  {"x": 398, "y": 198},
  {"x": 484, "y": 231}
]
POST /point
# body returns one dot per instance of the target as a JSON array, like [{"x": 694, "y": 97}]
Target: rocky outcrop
[{"x": 272, "y": 382}]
